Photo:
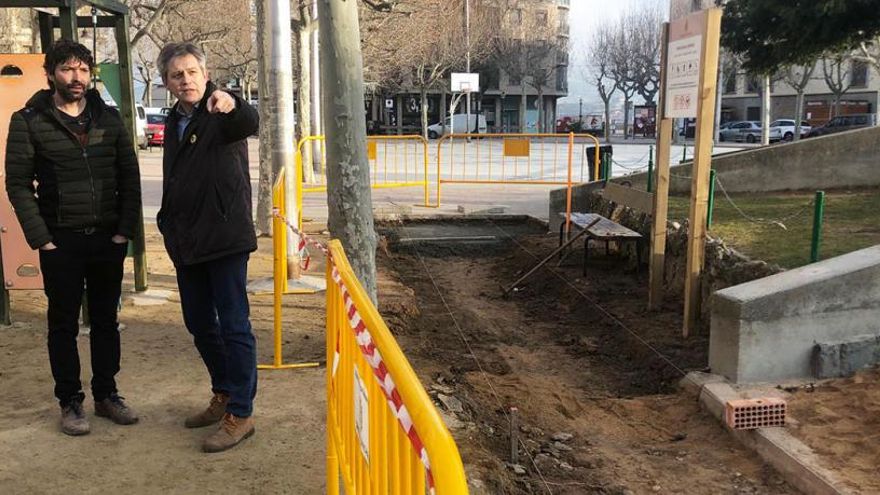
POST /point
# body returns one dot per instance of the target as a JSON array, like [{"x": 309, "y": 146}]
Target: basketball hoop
[{"x": 465, "y": 82}]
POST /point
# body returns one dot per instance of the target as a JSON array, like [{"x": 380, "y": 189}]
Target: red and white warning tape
[{"x": 369, "y": 350}]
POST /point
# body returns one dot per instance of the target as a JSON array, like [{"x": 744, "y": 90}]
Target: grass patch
[{"x": 852, "y": 222}]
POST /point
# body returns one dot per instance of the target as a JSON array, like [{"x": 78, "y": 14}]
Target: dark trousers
[
  {"x": 213, "y": 296},
  {"x": 93, "y": 260}
]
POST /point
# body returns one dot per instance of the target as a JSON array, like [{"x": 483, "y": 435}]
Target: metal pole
[
  {"x": 651, "y": 168},
  {"x": 467, "y": 36},
  {"x": 95, "y": 44},
  {"x": 317, "y": 117},
  {"x": 278, "y": 71},
  {"x": 818, "y": 214},
  {"x": 711, "y": 207}
]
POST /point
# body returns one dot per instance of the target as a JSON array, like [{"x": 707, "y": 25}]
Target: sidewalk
[{"x": 164, "y": 379}]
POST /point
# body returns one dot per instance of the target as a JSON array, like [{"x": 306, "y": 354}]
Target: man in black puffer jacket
[
  {"x": 81, "y": 214},
  {"x": 209, "y": 233}
]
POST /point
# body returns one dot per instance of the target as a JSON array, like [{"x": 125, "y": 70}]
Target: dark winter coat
[
  {"x": 206, "y": 189},
  {"x": 77, "y": 187}
]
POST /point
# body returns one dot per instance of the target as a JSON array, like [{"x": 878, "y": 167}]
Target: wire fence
[{"x": 778, "y": 222}]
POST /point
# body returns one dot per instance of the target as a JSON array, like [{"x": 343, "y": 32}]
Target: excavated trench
[{"x": 586, "y": 373}]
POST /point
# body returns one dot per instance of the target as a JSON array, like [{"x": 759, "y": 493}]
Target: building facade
[
  {"x": 741, "y": 94},
  {"x": 501, "y": 94}
]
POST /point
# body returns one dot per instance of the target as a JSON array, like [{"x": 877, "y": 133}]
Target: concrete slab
[
  {"x": 150, "y": 297},
  {"x": 306, "y": 284},
  {"x": 794, "y": 460},
  {"x": 766, "y": 330}
]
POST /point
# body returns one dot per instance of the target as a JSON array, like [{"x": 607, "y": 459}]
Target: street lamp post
[{"x": 467, "y": 36}]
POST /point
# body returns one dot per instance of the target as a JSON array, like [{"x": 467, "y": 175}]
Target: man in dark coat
[
  {"x": 72, "y": 177},
  {"x": 207, "y": 224}
]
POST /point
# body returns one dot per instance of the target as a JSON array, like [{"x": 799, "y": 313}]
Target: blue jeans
[{"x": 213, "y": 296}]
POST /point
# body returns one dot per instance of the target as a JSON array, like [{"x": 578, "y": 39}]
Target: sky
[{"x": 584, "y": 15}]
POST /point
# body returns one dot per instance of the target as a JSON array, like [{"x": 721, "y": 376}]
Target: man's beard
[{"x": 68, "y": 96}]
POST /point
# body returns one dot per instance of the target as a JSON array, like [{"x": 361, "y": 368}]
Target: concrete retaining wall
[
  {"x": 848, "y": 159},
  {"x": 767, "y": 330}
]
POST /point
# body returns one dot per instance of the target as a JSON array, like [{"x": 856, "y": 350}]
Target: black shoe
[
  {"x": 115, "y": 409},
  {"x": 73, "y": 419}
]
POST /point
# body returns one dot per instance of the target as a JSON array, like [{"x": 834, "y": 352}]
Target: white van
[
  {"x": 457, "y": 125},
  {"x": 140, "y": 118}
]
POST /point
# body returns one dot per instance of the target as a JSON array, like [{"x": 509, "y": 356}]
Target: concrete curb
[{"x": 794, "y": 460}]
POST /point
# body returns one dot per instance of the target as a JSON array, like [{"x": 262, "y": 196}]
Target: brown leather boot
[
  {"x": 232, "y": 431},
  {"x": 211, "y": 415}
]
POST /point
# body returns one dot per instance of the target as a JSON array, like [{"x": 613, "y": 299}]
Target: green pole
[
  {"x": 606, "y": 167},
  {"x": 684, "y": 152},
  {"x": 711, "y": 207},
  {"x": 650, "y": 168},
  {"x": 818, "y": 214}
]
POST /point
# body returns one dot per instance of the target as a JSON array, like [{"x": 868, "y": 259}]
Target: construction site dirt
[{"x": 591, "y": 373}]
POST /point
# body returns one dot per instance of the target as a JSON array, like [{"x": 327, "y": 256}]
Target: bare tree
[
  {"x": 646, "y": 34},
  {"x": 521, "y": 49},
  {"x": 869, "y": 52},
  {"x": 598, "y": 70},
  {"x": 799, "y": 77},
  {"x": 545, "y": 53},
  {"x": 836, "y": 69}
]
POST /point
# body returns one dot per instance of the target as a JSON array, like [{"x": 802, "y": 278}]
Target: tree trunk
[
  {"x": 626, "y": 104},
  {"x": 798, "y": 114},
  {"x": 765, "y": 112},
  {"x": 349, "y": 201},
  {"x": 540, "y": 109},
  {"x": 606, "y": 127},
  {"x": 268, "y": 118},
  {"x": 304, "y": 102},
  {"x": 523, "y": 107},
  {"x": 424, "y": 102}
]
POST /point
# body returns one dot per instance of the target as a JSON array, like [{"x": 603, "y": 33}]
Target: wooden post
[
  {"x": 700, "y": 171},
  {"x": 67, "y": 19},
  {"x": 127, "y": 109},
  {"x": 661, "y": 192}
]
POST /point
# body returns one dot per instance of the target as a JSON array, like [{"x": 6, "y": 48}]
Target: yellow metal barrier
[
  {"x": 279, "y": 277},
  {"x": 395, "y": 161},
  {"x": 516, "y": 159},
  {"x": 366, "y": 443}
]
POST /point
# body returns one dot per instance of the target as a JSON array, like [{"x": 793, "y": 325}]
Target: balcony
[{"x": 564, "y": 4}]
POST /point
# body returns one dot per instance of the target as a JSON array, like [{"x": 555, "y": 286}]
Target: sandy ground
[
  {"x": 164, "y": 379},
  {"x": 840, "y": 420},
  {"x": 568, "y": 368}
]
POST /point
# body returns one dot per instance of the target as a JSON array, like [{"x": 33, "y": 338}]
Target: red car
[{"x": 155, "y": 129}]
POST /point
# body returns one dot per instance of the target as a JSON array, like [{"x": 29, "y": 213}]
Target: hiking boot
[
  {"x": 214, "y": 413},
  {"x": 231, "y": 432},
  {"x": 73, "y": 419},
  {"x": 115, "y": 409}
]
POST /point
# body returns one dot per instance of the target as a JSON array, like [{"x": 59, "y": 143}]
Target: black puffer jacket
[
  {"x": 206, "y": 190},
  {"x": 97, "y": 185}
]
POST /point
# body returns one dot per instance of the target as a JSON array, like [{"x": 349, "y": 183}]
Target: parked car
[
  {"x": 845, "y": 123},
  {"x": 744, "y": 130},
  {"x": 783, "y": 129},
  {"x": 457, "y": 126},
  {"x": 156, "y": 129},
  {"x": 140, "y": 117}
]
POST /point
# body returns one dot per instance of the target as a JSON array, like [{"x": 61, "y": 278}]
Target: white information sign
[
  {"x": 683, "y": 77},
  {"x": 362, "y": 415},
  {"x": 683, "y": 58}
]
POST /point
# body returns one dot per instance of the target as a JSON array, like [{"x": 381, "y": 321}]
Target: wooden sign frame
[{"x": 709, "y": 24}]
